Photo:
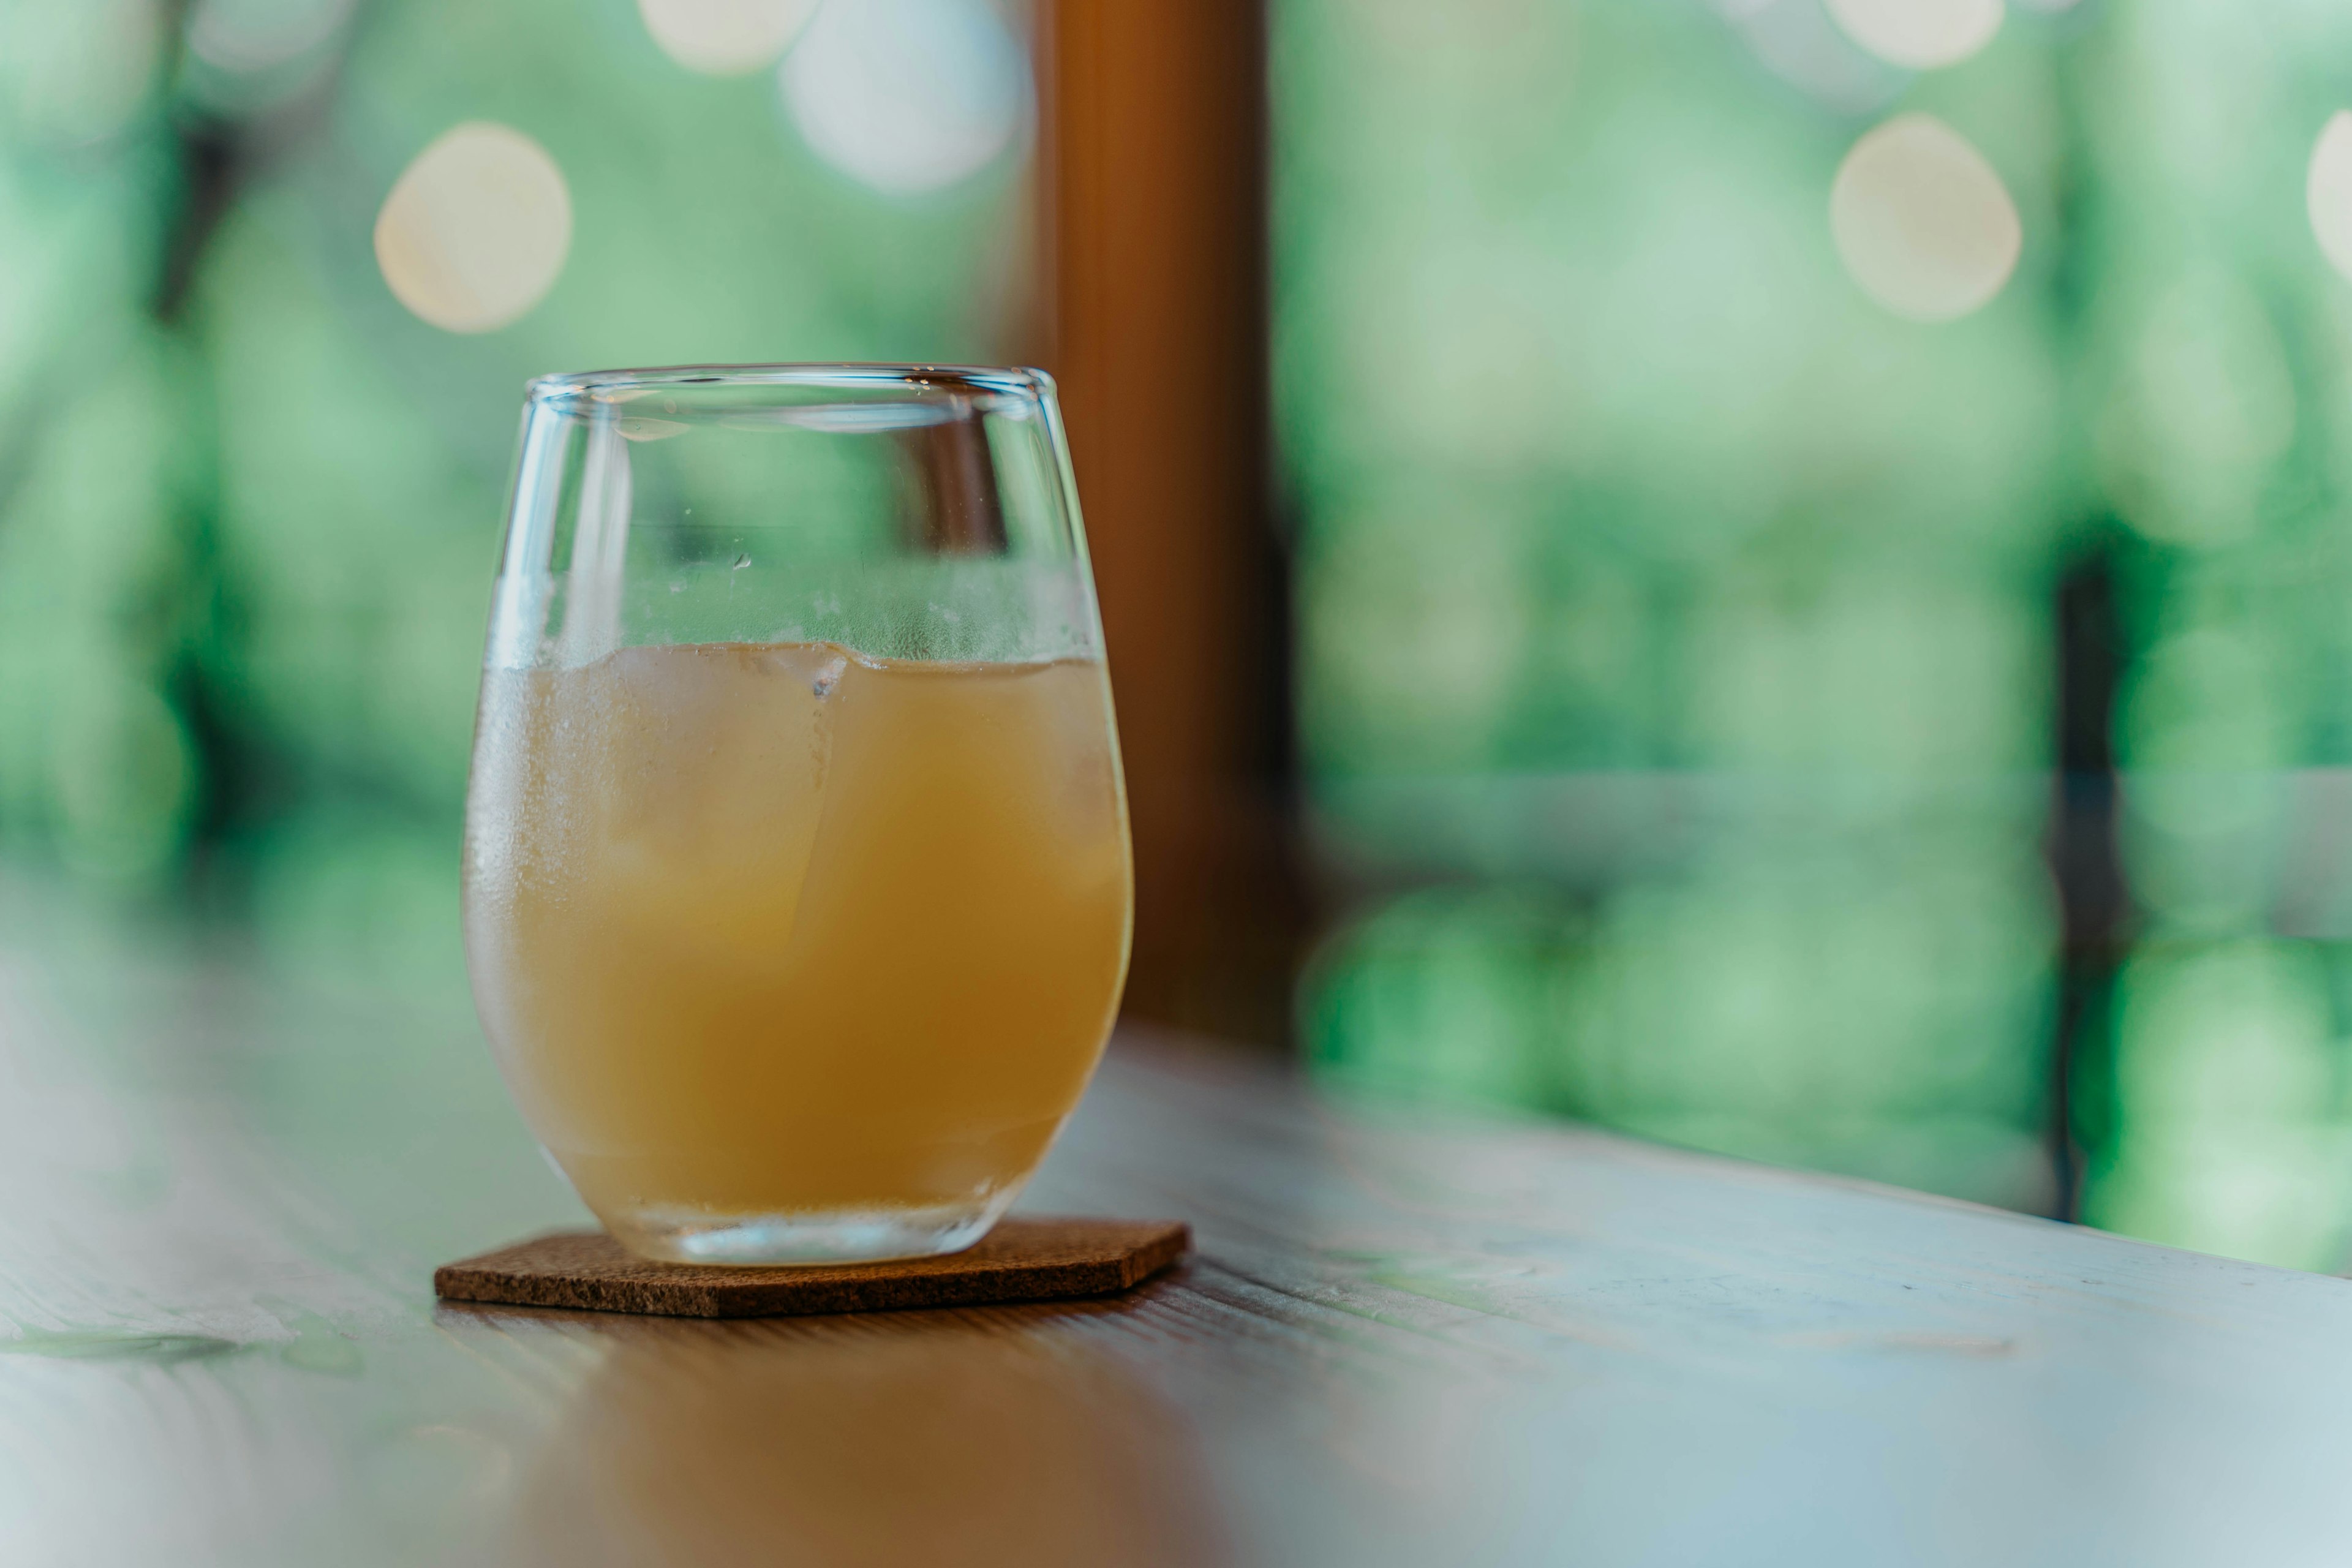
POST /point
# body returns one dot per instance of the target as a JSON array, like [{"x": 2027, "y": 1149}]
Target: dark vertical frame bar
[
  {"x": 1152, "y": 197},
  {"x": 2086, "y": 857}
]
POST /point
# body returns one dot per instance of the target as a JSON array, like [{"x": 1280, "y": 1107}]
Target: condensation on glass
[{"x": 798, "y": 885}]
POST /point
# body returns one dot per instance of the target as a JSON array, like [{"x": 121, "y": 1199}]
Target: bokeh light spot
[
  {"x": 908, "y": 96},
  {"x": 725, "y": 37},
  {"x": 247, "y": 35},
  {"x": 475, "y": 230},
  {"x": 1797, "y": 42},
  {"x": 1922, "y": 221},
  {"x": 1920, "y": 35},
  {"x": 2327, "y": 191}
]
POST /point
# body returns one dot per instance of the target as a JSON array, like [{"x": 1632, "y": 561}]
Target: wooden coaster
[{"x": 1024, "y": 1259}]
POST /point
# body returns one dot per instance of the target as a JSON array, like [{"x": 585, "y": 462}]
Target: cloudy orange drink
[{"x": 777, "y": 930}]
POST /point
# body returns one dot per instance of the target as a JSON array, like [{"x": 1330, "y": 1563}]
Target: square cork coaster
[{"x": 1024, "y": 1259}]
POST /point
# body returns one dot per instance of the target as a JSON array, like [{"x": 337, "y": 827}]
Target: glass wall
[{"x": 1820, "y": 563}]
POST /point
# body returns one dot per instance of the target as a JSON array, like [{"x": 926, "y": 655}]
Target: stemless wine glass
[{"x": 797, "y": 881}]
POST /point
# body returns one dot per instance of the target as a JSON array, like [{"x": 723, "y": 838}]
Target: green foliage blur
[
  {"x": 1689, "y": 643},
  {"x": 250, "y": 506}
]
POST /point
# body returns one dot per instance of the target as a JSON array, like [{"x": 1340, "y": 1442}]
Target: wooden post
[{"x": 1152, "y": 199}]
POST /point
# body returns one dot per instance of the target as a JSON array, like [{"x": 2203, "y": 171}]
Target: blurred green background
[
  {"x": 1819, "y": 530},
  {"x": 1778, "y": 674},
  {"x": 249, "y": 505}
]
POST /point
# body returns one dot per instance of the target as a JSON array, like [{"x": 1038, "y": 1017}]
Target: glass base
[{"x": 828, "y": 1235}]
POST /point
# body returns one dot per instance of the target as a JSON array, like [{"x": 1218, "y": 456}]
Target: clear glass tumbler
[{"x": 797, "y": 882}]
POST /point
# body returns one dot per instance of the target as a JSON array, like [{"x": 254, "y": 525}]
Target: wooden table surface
[{"x": 226, "y": 1173}]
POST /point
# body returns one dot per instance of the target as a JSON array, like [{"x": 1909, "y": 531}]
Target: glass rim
[{"x": 916, "y": 381}]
